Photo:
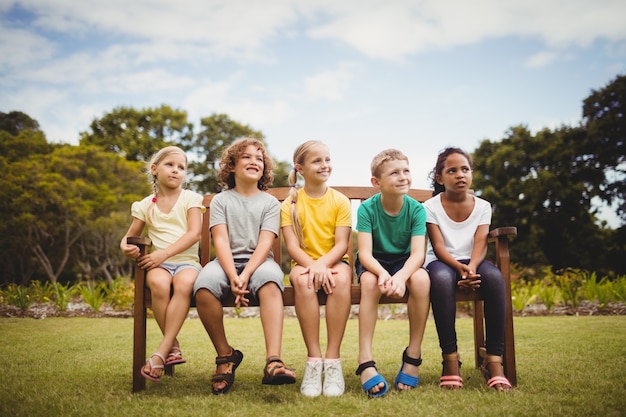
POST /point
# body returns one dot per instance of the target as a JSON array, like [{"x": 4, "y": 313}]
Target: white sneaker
[
  {"x": 312, "y": 380},
  {"x": 334, "y": 384}
]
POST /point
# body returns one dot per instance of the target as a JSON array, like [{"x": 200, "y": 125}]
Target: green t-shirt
[{"x": 391, "y": 235}]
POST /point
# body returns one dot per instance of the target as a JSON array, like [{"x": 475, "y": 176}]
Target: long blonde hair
[
  {"x": 156, "y": 159},
  {"x": 299, "y": 155}
]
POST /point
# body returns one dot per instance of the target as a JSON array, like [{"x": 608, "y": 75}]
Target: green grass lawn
[{"x": 567, "y": 366}]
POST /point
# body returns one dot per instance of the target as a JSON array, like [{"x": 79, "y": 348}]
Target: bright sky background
[{"x": 360, "y": 75}]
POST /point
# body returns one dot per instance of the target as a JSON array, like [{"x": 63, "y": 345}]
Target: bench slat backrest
[{"x": 355, "y": 194}]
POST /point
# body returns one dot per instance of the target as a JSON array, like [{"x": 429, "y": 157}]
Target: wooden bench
[{"x": 500, "y": 236}]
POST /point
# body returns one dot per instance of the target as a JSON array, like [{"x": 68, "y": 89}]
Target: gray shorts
[{"x": 213, "y": 278}]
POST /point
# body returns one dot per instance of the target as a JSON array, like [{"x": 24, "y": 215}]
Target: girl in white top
[
  {"x": 458, "y": 223},
  {"x": 173, "y": 219}
]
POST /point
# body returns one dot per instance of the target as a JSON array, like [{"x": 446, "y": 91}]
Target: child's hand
[
  {"x": 329, "y": 284},
  {"x": 384, "y": 281},
  {"x": 239, "y": 287},
  {"x": 470, "y": 280},
  {"x": 316, "y": 275},
  {"x": 396, "y": 287},
  {"x": 152, "y": 260},
  {"x": 131, "y": 251}
]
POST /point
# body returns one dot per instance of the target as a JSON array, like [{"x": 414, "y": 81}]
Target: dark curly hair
[
  {"x": 226, "y": 176},
  {"x": 438, "y": 169}
]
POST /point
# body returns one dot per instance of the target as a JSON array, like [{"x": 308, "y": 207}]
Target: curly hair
[
  {"x": 226, "y": 176},
  {"x": 438, "y": 169}
]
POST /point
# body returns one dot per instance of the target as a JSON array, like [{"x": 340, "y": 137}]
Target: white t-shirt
[{"x": 458, "y": 237}]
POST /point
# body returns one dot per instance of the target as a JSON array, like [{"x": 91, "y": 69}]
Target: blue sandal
[
  {"x": 406, "y": 379},
  {"x": 373, "y": 381}
]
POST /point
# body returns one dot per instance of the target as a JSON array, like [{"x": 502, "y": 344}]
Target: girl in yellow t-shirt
[{"x": 316, "y": 222}]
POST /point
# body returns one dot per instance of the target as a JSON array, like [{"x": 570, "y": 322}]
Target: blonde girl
[
  {"x": 173, "y": 219},
  {"x": 316, "y": 222}
]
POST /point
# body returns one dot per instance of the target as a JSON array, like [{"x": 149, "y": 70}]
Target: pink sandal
[
  {"x": 504, "y": 383},
  {"x": 153, "y": 366},
  {"x": 175, "y": 357}
]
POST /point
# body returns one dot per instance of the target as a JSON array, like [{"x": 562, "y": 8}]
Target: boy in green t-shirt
[{"x": 391, "y": 247}]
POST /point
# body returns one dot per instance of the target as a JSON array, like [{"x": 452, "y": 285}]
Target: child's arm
[
  {"x": 479, "y": 250},
  {"x": 190, "y": 237},
  {"x": 415, "y": 260},
  {"x": 223, "y": 251},
  {"x": 135, "y": 229},
  {"x": 260, "y": 254},
  {"x": 366, "y": 257},
  {"x": 296, "y": 253}
]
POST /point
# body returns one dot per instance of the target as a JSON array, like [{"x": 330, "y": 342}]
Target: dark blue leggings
[{"x": 443, "y": 284}]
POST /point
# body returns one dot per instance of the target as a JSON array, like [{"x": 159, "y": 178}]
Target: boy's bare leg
[
  {"x": 417, "y": 306},
  {"x": 368, "y": 314},
  {"x": 211, "y": 315}
]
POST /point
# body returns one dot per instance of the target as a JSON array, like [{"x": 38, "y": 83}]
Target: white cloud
[
  {"x": 330, "y": 84},
  {"x": 541, "y": 59}
]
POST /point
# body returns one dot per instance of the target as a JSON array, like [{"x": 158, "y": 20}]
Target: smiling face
[
  {"x": 249, "y": 165},
  {"x": 456, "y": 174},
  {"x": 316, "y": 166},
  {"x": 394, "y": 177}
]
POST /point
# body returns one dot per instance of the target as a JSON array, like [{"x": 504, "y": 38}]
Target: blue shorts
[
  {"x": 213, "y": 278},
  {"x": 174, "y": 269},
  {"x": 391, "y": 265}
]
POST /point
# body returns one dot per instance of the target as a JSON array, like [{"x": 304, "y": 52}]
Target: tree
[
  {"x": 52, "y": 202},
  {"x": 14, "y": 122},
  {"x": 138, "y": 134},
  {"x": 217, "y": 133},
  {"x": 604, "y": 113},
  {"x": 536, "y": 183}
]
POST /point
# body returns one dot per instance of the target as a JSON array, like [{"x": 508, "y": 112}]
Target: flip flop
[
  {"x": 153, "y": 366},
  {"x": 175, "y": 357}
]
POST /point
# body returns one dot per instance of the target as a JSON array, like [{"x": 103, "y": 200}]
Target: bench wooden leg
[
  {"x": 139, "y": 332},
  {"x": 479, "y": 330}
]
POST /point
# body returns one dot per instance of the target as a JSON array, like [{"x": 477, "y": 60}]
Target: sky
[{"x": 359, "y": 75}]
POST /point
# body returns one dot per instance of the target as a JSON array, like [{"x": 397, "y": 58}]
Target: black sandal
[
  {"x": 276, "y": 374},
  {"x": 233, "y": 360}
]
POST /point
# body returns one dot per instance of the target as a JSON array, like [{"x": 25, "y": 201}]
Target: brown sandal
[
  {"x": 275, "y": 372},
  {"x": 493, "y": 381},
  {"x": 233, "y": 360},
  {"x": 451, "y": 381}
]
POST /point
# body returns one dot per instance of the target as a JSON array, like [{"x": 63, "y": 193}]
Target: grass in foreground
[{"x": 567, "y": 366}]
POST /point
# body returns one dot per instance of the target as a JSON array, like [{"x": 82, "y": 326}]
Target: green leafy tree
[
  {"x": 53, "y": 200},
  {"x": 536, "y": 183},
  {"x": 604, "y": 150},
  {"x": 15, "y": 122},
  {"x": 138, "y": 134},
  {"x": 218, "y": 131}
]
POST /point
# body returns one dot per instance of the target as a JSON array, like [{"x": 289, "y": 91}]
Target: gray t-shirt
[{"x": 245, "y": 217}]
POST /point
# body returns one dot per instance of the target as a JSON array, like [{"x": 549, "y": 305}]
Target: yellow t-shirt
[{"x": 319, "y": 218}]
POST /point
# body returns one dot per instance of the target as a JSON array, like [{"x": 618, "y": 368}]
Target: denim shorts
[
  {"x": 174, "y": 269},
  {"x": 391, "y": 265}
]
